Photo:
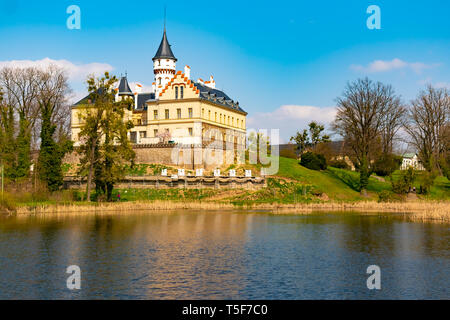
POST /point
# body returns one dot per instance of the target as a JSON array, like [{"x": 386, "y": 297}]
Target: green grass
[
  {"x": 340, "y": 184},
  {"x": 163, "y": 194}
]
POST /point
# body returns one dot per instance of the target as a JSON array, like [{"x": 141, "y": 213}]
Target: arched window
[
  {"x": 181, "y": 92},
  {"x": 176, "y": 92}
]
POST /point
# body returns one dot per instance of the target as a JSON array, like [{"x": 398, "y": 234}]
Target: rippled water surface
[{"x": 190, "y": 255}]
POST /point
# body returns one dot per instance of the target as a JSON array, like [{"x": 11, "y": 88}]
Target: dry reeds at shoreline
[{"x": 417, "y": 211}]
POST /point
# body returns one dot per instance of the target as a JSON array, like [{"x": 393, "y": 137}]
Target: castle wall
[{"x": 188, "y": 157}]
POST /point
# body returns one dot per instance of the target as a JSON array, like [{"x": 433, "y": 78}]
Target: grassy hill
[{"x": 340, "y": 184}]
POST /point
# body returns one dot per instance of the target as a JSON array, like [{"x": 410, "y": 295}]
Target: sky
[{"x": 286, "y": 62}]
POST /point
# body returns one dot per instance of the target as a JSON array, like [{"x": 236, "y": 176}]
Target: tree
[
  {"x": 21, "y": 89},
  {"x": 105, "y": 147},
  {"x": 53, "y": 91},
  {"x": 309, "y": 139},
  {"x": 7, "y": 141},
  {"x": 427, "y": 125},
  {"x": 361, "y": 118}
]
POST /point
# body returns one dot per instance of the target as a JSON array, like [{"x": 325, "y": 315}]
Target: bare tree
[
  {"x": 427, "y": 125},
  {"x": 362, "y": 120},
  {"x": 391, "y": 124}
]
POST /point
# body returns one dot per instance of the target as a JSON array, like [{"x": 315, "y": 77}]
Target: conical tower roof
[
  {"x": 124, "y": 88},
  {"x": 164, "y": 51}
]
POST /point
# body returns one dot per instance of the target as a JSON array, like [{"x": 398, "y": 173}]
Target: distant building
[{"x": 411, "y": 160}]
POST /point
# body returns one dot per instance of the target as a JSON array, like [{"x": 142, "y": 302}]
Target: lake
[{"x": 216, "y": 255}]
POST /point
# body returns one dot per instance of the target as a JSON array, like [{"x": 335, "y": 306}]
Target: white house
[{"x": 411, "y": 160}]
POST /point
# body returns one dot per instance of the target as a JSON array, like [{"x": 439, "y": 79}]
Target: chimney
[
  {"x": 138, "y": 88},
  {"x": 187, "y": 72},
  {"x": 212, "y": 83}
]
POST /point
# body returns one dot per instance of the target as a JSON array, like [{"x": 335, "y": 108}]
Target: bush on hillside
[
  {"x": 405, "y": 182},
  {"x": 389, "y": 196},
  {"x": 387, "y": 164},
  {"x": 340, "y": 164},
  {"x": 313, "y": 161}
]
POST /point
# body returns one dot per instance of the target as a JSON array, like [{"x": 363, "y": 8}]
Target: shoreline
[{"x": 417, "y": 210}]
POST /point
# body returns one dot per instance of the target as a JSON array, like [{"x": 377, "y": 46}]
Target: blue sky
[{"x": 285, "y": 61}]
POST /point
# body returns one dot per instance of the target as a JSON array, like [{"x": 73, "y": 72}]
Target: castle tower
[
  {"x": 124, "y": 91},
  {"x": 164, "y": 64}
]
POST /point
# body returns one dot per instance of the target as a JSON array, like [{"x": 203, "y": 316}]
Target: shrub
[
  {"x": 404, "y": 182},
  {"x": 7, "y": 203},
  {"x": 313, "y": 161},
  {"x": 426, "y": 181},
  {"x": 388, "y": 196},
  {"x": 340, "y": 164},
  {"x": 387, "y": 164}
]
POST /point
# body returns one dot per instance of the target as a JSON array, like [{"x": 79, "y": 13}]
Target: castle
[{"x": 178, "y": 110}]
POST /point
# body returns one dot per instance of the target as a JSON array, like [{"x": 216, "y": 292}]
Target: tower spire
[{"x": 165, "y": 9}]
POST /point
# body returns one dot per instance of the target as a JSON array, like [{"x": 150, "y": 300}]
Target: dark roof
[
  {"x": 86, "y": 99},
  {"x": 124, "y": 88},
  {"x": 218, "y": 97},
  {"x": 164, "y": 51},
  {"x": 142, "y": 98}
]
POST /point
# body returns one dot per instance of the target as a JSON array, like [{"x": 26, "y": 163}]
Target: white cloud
[
  {"x": 291, "y": 118},
  {"x": 75, "y": 71},
  {"x": 394, "y": 64}
]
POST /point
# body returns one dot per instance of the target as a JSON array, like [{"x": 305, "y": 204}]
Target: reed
[{"x": 418, "y": 211}]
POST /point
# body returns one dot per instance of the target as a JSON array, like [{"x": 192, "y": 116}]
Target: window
[
  {"x": 220, "y": 118},
  {"x": 167, "y": 113},
  {"x": 155, "y": 132},
  {"x": 203, "y": 112},
  {"x": 209, "y": 114},
  {"x": 176, "y": 92},
  {"x": 215, "y": 116},
  {"x": 155, "y": 114},
  {"x": 228, "y": 120},
  {"x": 143, "y": 134},
  {"x": 181, "y": 92},
  {"x": 190, "y": 112},
  {"x": 159, "y": 81},
  {"x": 232, "y": 121},
  {"x": 190, "y": 131},
  {"x": 179, "y": 113}
]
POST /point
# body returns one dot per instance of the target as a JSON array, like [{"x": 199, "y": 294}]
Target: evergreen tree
[
  {"x": 53, "y": 88},
  {"x": 7, "y": 141}
]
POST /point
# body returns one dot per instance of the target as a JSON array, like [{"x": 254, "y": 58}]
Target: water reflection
[{"x": 188, "y": 255}]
